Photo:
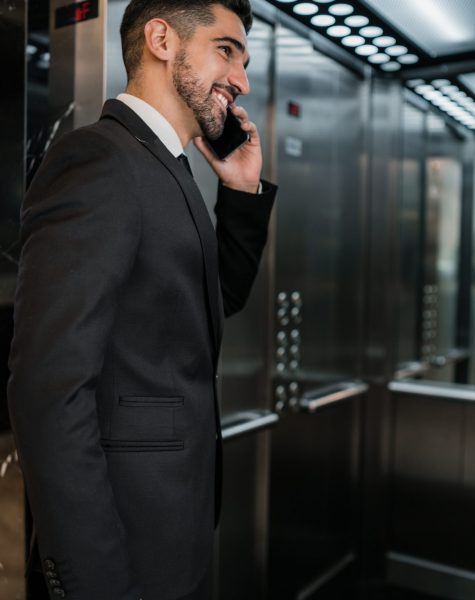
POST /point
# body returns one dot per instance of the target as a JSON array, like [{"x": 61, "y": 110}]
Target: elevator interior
[{"x": 347, "y": 385}]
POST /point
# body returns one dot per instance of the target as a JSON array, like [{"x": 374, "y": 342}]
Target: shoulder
[{"x": 86, "y": 169}]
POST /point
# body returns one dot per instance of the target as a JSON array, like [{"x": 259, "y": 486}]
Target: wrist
[{"x": 248, "y": 187}]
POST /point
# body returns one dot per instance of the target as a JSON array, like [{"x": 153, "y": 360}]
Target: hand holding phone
[
  {"x": 242, "y": 171},
  {"x": 231, "y": 139}
]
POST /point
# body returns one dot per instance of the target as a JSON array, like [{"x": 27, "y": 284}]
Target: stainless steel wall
[
  {"x": 13, "y": 18},
  {"x": 318, "y": 318}
]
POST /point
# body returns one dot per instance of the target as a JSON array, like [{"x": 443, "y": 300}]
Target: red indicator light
[
  {"x": 82, "y": 11},
  {"x": 293, "y": 109}
]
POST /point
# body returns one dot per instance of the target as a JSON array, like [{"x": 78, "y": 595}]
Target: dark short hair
[{"x": 183, "y": 15}]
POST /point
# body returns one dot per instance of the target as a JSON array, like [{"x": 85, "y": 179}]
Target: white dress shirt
[
  {"x": 158, "y": 124},
  {"x": 156, "y": 121}
]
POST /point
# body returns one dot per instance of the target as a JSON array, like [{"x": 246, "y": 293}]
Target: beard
[{"x": 207, "y": 111}]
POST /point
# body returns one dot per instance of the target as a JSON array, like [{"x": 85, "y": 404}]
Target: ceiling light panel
[
  {"x": 305, "y": 8},
  {"x": 446, "y": 96},
  {"x": 356, "y": 28},
  {"x": 439, "y": 27}
]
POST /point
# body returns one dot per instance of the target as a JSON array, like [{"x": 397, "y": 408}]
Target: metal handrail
[
  {"x": 449, "y": 391},
  {"x": 411, "y": 369},
  {"x": 245, "y": 422},
  {"x": 314, "y": 400}
]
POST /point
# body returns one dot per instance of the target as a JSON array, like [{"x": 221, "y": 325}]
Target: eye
[{"x": 226, "y": 49}]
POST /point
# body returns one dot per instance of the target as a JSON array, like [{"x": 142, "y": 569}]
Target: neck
[{"x": 171, "y": 106}]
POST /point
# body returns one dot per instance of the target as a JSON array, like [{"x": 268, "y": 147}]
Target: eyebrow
[{"x": 237, "y": 44}]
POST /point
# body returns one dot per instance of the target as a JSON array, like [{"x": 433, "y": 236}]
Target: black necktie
[{"x": 184, "y": 161}]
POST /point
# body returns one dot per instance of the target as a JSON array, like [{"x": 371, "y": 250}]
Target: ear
[{"x": 160, "y": 39}]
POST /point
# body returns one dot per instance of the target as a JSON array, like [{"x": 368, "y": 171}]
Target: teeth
[{"x": 222, "y": 99}]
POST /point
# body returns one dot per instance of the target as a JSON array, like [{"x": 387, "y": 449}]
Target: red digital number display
[{"x": 77, "y": 13}]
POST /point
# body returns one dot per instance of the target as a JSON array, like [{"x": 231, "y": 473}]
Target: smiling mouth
[{"x": 222, "y": 98}]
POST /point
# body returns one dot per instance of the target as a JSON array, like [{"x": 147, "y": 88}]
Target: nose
[{"x": 238, "y": 79}]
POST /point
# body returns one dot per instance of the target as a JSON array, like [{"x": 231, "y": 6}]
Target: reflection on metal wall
[
  {"x": 317, "y": 303},
  {"x": 410, "y": 231},
  {"x": 12, "y": 181},
  {"x": 443, "y": 223}
]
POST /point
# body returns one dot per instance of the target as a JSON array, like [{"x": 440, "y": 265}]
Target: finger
[
  {"x": 251, "y": 129},
  {"x": 240, "y": 113}
]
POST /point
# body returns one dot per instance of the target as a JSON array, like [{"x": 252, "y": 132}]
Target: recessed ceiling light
[
  {"x": 322, "y": 20},
  {"x": 352, "y": 41},
  {"x": 356, "y": 21},
  {"x": 440, "y": 82},
  {"x": 408, "y": 59},
  {"x": 447, "y": 89},
  {"x": 384, "y": 41},
  {"x": 338, "y": 31},
  {"x": 286, "y": 1},
  {"x": 378, "y": 59},
  {"x": 396, "y": 50},
  {"x": 371, "y": 31},
  {"x": 341, "y": 9},
  {"x": 391, "y": 66},
  {"x": 414, "y": 82},
  {"x": 305, "y": 8},
  {"x": 433, "y": 94},
  {"x": 420, "y": 89},
  {"x": 366, "y": 50},
  {"x": 323, "y": 1}
]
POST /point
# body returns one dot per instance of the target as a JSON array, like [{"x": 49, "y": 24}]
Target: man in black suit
[{"x": 122, "y": 286}]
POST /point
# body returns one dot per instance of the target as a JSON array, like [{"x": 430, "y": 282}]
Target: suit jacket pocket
[
  {"x": 146, "y": 418},
  {"x": 146, "y": 446}
]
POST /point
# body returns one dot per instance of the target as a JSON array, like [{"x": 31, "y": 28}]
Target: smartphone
[{"x": 231, "y": 138}]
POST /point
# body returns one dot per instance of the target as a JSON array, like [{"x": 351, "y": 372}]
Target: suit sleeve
[
  {"x": 242, "y": 224},
  {"x": 80, "y": 232}
]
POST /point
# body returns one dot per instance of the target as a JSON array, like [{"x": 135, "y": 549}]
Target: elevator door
[{"x": 317, "y": 326}]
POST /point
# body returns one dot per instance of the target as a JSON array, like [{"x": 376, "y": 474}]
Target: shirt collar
[{"x": 156, "y": 121}]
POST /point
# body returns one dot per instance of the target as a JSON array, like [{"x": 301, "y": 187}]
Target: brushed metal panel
[
  {"x": 319, "y": 221},
  {"x": 383, "y": 232},
  {"x": 426, "y": 477},
  {"x": 312, "y": 508},
  {"x": 242, "y": 539},
  {"x": 13, "y": 26},
  {"x": 319, "y": 248},
  {"x": 12, "y": 140},
  {"x": 116, "y": 77},
  {"x": 443, "y": 227},
  {"x": 465, "y": 549},
  {"x": 410, "y": 224}
]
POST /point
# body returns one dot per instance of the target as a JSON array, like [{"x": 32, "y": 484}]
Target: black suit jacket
[{"x": 118, "y": 320}]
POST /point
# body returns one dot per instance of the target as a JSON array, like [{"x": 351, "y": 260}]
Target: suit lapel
[{"x": 114, "y": 109}]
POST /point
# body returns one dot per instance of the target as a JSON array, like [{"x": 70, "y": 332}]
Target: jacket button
[
  {"x": 49, "y": 564},
  {"x": 54, "y": 582},
  {"x": 59, "y": 592},
  {"x": 51, "y": 575}
]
